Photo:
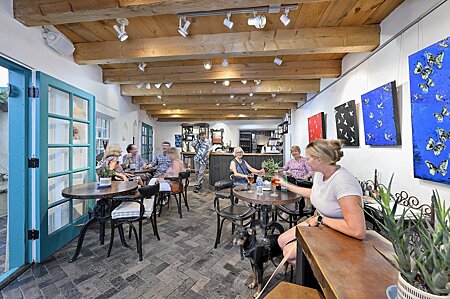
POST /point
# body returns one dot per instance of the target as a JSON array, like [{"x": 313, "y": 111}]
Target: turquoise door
[{"x": 65, "y": 137}]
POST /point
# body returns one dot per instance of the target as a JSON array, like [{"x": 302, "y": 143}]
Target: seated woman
[
  {"x": 241, "y": 168},
  {"x": 336, "y": 194},
  {"x": 111, "y": 161},
  {"x": 176, "y": 166},
  {"x": 298, "y": 167}
]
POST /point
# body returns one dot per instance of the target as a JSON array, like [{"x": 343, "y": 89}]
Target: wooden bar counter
[
  {"x": 345, "y": 268},
  {"x": 219, "y": 164}
]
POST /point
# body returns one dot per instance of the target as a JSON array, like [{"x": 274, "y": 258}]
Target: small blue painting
[
  {"x": 379, "y": 106},
  {"x": 429, "y": 73},
  {"x": 178, "y": 140}
]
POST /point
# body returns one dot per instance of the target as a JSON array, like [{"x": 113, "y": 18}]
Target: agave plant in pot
[
  {"x": 271, "y": 167},
  {"x": 422, "y": 248},
  {"x": 105, "y": 175}
]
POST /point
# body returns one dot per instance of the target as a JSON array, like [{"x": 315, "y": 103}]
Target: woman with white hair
[{"x": 240, "y": 168}]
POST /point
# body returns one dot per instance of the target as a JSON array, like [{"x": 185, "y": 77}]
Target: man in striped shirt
[{"x": 202, "y": 149}]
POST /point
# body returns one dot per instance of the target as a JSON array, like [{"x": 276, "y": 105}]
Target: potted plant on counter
[
  {"x": 105, "y": 176},
  {"x": 422, "y": 248}
]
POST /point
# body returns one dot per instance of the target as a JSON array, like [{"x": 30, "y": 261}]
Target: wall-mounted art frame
[
  {"x": 178, "y": 140},
  {"x": 217, "y": 136},
  {"x": 429, "y": 73},
  {"x": 316, "y": 127},
  {"x": 280, "y": 130},
  {"x": 285, "y": 127},
  {"x": 380, "y": 116},
  {"x": 288, "y": 117},
  {"x": 346, "y": 123}
]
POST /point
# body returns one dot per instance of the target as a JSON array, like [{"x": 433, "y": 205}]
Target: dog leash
[{"x": 283, "y": 261}]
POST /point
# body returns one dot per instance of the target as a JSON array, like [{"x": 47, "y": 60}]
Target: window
[
  {"x": 147, "y": 142},
  {"x": 101, "y": 135}
]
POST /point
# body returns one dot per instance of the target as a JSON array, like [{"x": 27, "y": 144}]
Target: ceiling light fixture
[
  {"x": 164, "y": 104},
  {"x": 168, "y": 85},
  {"x": 278, "y": 61},
  {"x": 214, "y": 82},
  {"x": 258, "y": 21},
  {"x": 225, "y": 62},
  {"x": 250, "y": 94},
  {"x": 256, "y": 109},
  {"x": 231, "y": 96},
  {"x": 142, "y": 66},
  {"x": 58, "y": 41},
  {"x": 227, "y": 21},
  {"x": 159, "y": 97},
  {"x": 121, "y": 33},
  {"x": 139, "y": 85},
  {"x": 226, "y": 83},
  {"x": 284, "y": 18},
  {"x": 148, "y": 86},
  {"x": 257, "y": 82},
  {"x": 243, "y": 104},
  {"x": 252, "y": 103},
  {"x": 207, "y": 64},
  {"x": 244, "y": 82},
  {"x": 183, "y": 30},
  {"x": 274, "y": 94},
  {"x": 218, "y": 104},
  {"x": 157, "y": 85}
]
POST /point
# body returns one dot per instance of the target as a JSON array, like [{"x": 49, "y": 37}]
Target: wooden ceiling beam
[
  {"x": 212, "y": 118},
  {"x": 248, "y": 71},
  {"x": 266, "y": 87},
  {"x": 224, "y": 115},
  {"x": 229, "y": 106},
  {"x": 240, "y": 44},
  {"x": 192, "y": 100},
  {"x": 216, "y": 112},
  {"x": 45, "y": 12}
]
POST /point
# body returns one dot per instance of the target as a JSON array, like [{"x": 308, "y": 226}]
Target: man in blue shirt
[
  {"x": 161, "y": 161},
  {"x": 202, "y": 149}
]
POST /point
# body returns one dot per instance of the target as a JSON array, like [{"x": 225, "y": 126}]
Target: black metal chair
[
  {"x": 235, "y": 213},
  {"x": 133, "y": 208},
  {"x": 185, "y": 180},
  {"x": 178, "y": 191}
]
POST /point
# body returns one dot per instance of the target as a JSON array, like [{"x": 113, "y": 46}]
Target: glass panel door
[
  {"x": 147, "y": 142},
  {"x": 67, "y": 154}
]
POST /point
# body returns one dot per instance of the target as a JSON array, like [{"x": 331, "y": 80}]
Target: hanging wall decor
[
  {"x": 346, "y": 124},
  {"x": 316, "y": 127},
  {"x": 380, "y": 115},
  {"x": 429, "y": 74},
  {"x": 178, "y": 140}
]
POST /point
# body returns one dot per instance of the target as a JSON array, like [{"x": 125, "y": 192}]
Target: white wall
[
  {"x": 27, "y": 46},
  {"x": 166, "y": 131},
  {"x": 391, "y": 63}
]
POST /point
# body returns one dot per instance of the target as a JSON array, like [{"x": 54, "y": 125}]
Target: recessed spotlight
[
  {"x": 139, "y": 85},
  {"x": 252, "y": 103},
  {"x": 159, "y": 97},
  {"x": 164, "y": 104},
  {"x": 256, "y": 109},
  {"x": 158, "y": 85},
  {"x": 207, "y": 64},
  {"x": 284, "y": 18},
  {"x": 148, "y": 86},
  {"x": 218, "y": 104},
  {"x": 278, "y": 61},
  {"x": 231, "y": 96},
  {"x": 244, "y": 82},
  {"x": 168, "y": 85},
  {"x": 183, "y": 30},
  {"x": 274, "y": 94},
  {"x": 121, "y": 33},
  {"x": 243, "y": 104},
  {"x": 142, "y": 66},
  {"x": 227, "y": 21},
  {"x": 257, "y": 82},
  {"x": 257, "y": 21},
  {"x": 250, "y": 94},
  {"x": 226, "y": 82},
  {"x": 214, "y": 82},
  {"x": 225, "y": 62},
  {"x": 242, "y": 115}
]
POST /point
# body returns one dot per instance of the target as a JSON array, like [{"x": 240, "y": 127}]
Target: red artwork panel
[{"x": 316, "y": 127}]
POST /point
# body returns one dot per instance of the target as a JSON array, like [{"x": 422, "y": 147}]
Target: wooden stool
[{"x": 286, "y": 290}]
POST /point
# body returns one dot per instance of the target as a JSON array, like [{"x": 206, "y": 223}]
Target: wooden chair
[{"x": 286, "y": 290}]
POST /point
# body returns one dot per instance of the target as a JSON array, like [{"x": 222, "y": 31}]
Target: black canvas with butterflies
[
  {"x": 429, "y": 73},
  {"x": 346, "y": 124}
]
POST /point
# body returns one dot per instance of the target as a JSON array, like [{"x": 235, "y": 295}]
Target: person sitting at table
[
  {"x": 161, "y": 161},
  {"x": 336, "y": 194},
  {"x": 298, "y": 167},
  {"x": 240, "y": 168},
  {"x": 111, "y": 161},
  {"x": 132, "y": 160}
]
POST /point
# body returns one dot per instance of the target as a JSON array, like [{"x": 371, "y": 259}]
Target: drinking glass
[
  {"x": 275, "y": 184},
  {"x": 250, "y": 180}
]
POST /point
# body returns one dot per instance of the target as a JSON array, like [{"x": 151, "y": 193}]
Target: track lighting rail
[{"x": 268, "y": 9}]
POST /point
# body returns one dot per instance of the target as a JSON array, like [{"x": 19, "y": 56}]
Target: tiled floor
[{"x": 183, "y": 264}]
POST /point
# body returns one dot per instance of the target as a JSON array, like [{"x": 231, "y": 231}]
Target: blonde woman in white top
[{"x": 336, "y": 194}]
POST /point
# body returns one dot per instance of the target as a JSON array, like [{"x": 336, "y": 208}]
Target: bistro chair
[
  {"x": 185, "y": 180},
  {"x": 133, "y": 208},
  {"x": 178, "y": 190},
  {"x": 235, "y": 213}
]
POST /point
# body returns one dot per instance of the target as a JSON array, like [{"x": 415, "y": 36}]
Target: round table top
[
  {"x": 283, "y": 198},
  {"x": 140, "y": 171},
  {"x": 90, "y": 190}
]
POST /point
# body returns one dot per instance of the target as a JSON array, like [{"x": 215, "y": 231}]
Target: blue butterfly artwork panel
[
  {"x": 429, "y": 73},
  {"x": 380, "y": 116}
]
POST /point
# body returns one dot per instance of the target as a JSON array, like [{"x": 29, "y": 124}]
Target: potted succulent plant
[
  {"x": 422, "y": 248},
  {"x": 271, "y": 167},
  {"x": 105, "y": 175}
]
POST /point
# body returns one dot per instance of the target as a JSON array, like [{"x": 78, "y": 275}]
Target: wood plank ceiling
[{"x": 320, "y": 34}]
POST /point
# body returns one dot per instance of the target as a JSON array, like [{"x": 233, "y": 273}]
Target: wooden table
[
  {"x": 344, "y": 267},
  {"x": 266, "y": 202},
  {"x": 90, "y": 191}
]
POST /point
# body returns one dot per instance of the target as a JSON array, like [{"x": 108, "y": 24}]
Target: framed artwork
[
  {"x": 346, "y": 124},
  {"x": 429, "y": 74},
  {"x": 289, "y": 116},
  {"x": 285, "y": 127},
  {"x": 217, "y": 136},
  {"x": 280, "y": 129},
  {"x": 316, "y": 127},
  {"x": 380, "y": 115},
  {"x": 178, "y": 140}
]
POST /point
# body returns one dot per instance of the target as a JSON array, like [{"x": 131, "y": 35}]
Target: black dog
[{"x": 258, "y": 252}]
